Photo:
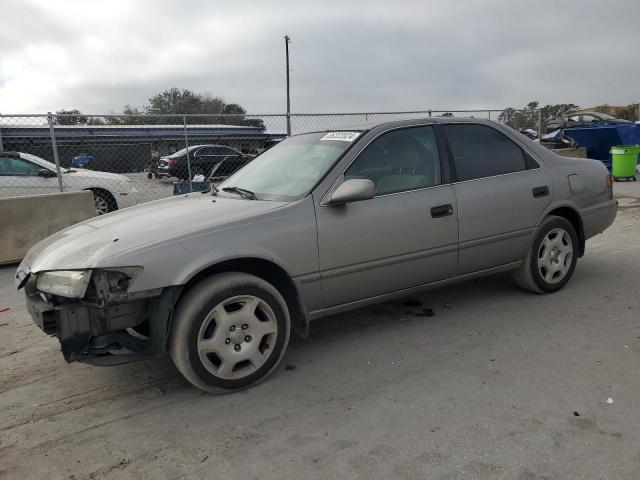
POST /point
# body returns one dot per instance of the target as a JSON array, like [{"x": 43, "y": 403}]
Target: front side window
[
  {"x": 480, "y": 151},
  {"x": 291, "y": 168},
  {"x": 400, "y": 160},
  {"x": 11, "y": 166}
]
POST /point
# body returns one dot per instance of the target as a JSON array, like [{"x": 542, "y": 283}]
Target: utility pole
[{"x": 287, "y": 40}]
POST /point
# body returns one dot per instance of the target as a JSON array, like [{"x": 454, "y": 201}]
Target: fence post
[
  {"x": 539, "y": 123},
  {"x": 429, "y": 113},
  {"x": 186, "y": 144},
  {"x": 488, "y": 114},
  {"x": 54, "y": 145},
  {"x": 1, "y": 145}
]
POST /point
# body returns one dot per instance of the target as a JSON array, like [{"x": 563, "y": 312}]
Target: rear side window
[{"x": 480, "y": 151}]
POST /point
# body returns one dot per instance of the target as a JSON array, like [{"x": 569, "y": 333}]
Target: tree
[
  {"x": 75, "y": 117},
  {"x": 214, "y": 110},
  {"x": 528, "y": 117}
]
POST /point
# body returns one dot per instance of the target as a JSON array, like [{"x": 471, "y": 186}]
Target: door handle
[
  {"x": 442, "y": 210},
  {"x": 540, "y": 191}
]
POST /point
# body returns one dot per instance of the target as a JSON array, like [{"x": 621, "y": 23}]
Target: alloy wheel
[
  {"x": 102, "y": 206},
  {"x": 555, "y": 255}
]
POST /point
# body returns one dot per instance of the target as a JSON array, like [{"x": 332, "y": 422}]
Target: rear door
[
  {"x": 208, "y": 157},
  {"x": 501, "y": 193}
]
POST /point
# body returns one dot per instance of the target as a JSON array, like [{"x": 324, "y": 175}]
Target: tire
[
  {"x": 551, "y": 258},
  {"x": 104, "y": 202},
  {"x": 150, "y": 175},
  {"x": 230, "y": 332}
]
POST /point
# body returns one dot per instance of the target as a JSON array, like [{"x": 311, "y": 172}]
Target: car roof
[
  {"x": 402, "y": 123},
  {"x": 210, "y": 145}
]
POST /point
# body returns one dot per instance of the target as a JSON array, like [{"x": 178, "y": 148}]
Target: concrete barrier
[
  {"x": 579, "y": 152},
  {"x": 24, "y": 221}
]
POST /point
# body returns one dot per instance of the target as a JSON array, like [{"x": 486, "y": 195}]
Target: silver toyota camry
[{"x": 321, "y": 223}]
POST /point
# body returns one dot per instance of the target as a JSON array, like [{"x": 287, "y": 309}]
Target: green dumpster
[{"x": 624, "y": 159}]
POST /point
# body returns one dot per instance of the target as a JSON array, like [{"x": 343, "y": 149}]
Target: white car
[{"x": 25, "y": 174}]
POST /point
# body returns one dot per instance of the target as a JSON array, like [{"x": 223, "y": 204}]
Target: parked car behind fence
[
  {"x": 202, "y": 160},
  {"x": 26, "y": 174}
]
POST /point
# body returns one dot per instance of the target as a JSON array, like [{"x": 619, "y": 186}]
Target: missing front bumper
[{"x": 94, "y": 335}]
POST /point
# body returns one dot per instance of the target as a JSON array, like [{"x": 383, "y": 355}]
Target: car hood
[
  {"x": 84, "y": 173},
  {"x": 90, "y": 243}
]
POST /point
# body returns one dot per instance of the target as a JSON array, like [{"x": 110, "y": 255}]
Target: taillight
[
  {"x": 610, "y": 186},
  {"x": 172, "y": 161}
]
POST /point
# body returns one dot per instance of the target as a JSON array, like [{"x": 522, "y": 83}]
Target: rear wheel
[
  {"x": 230, "y": 332},
  {"x": 551, "y": 258}
]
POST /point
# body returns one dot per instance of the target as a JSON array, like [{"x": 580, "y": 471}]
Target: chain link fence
[{"x": 128, "y": 160}]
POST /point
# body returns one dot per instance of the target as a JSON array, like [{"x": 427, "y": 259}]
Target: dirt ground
[{"x": 479, "y": 380}]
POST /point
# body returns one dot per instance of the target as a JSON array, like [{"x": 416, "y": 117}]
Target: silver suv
[{"x": 321, "y": 223}]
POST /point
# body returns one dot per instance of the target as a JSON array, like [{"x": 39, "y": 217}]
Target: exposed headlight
[{"x": 65, "y": 283}]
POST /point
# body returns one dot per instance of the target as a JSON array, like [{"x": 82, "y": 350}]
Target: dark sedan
[
  {"x": 203, "y": 160},
  {"x": 584, "y": 119}
]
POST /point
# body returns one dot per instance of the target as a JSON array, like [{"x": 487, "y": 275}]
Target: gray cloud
[{"x": 345, "y": 56}]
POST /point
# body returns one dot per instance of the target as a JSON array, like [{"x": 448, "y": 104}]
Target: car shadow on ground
[{"x": 386, "y": 320}]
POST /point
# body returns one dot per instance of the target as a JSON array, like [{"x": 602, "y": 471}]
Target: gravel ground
[
  {"x": 152, "y": 189},
  {"x": 478, "y": 380}
]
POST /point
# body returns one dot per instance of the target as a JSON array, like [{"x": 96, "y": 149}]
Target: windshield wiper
[{"x": 248, "y": 194}]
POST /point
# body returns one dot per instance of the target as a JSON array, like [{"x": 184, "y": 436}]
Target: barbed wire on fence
[{"x": 130, "y": 159}]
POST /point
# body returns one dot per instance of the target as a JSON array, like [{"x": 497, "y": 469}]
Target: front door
[{"x": 405, "y": 236}]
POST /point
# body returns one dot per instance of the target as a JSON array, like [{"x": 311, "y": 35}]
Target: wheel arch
[
  {"x": 270, "y": 272},
  {"x": 571, "y": 214},
  {"x": 104, "y": 190}
]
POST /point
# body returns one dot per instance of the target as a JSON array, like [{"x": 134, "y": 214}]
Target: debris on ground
[
  {"x": 425, "y": 312},
  {"x": 5, "y": 309},
  {"x": 610, "y": 400},
  {"x": 290, "y": 367},
  {"x": 474, "y": 333},
  {"x": 576, "y": 414}
]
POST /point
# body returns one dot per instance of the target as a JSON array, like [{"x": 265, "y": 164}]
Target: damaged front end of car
[{"x": 95, "y": 316}]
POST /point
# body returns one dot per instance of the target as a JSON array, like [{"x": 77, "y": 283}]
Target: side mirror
[
  {"x": 353, "y": 190},
  {"x": 46, "y": 173}
]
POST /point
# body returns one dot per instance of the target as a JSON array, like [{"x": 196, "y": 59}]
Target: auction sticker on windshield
[{"x": 342, "y": 136}]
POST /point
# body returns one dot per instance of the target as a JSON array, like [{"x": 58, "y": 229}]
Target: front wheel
[
  {"x": 230, "y": 332},
  {"x": 551, "y": 258}
]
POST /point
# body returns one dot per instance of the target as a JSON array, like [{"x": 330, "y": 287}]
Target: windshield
[
  {"x": 291, "y": 168},
  {"x": 605, "y": 116},
  {"x": 43, "y": 163}
]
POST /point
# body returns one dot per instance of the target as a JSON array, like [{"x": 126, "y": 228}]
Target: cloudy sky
[{"x": 358, "y": 55}]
